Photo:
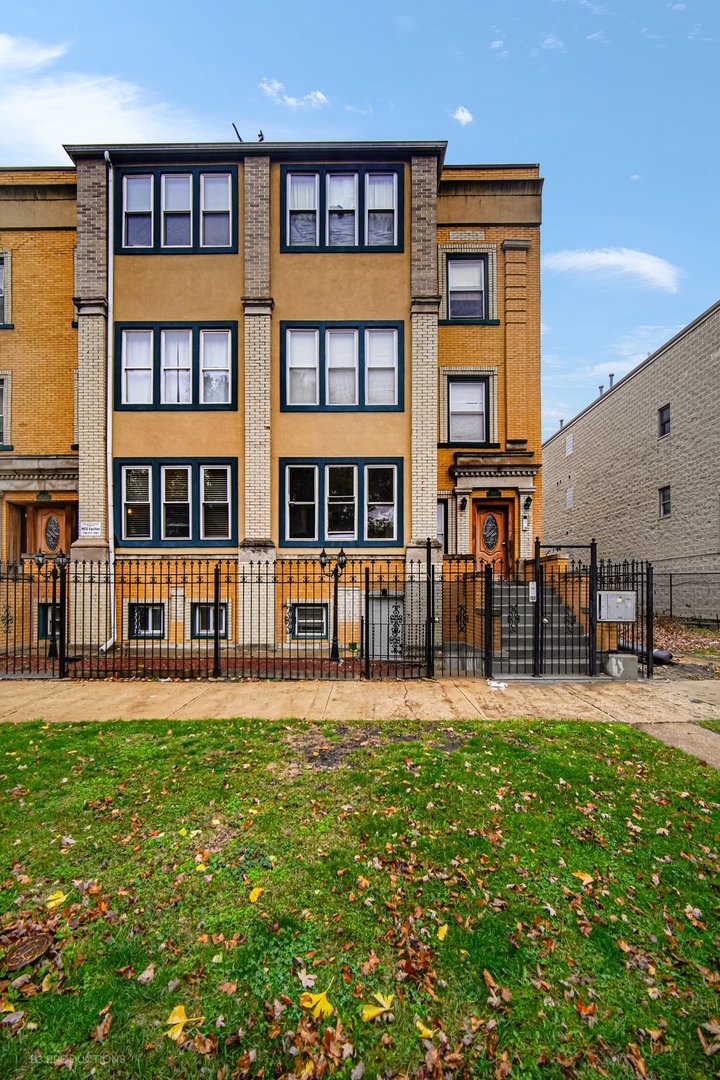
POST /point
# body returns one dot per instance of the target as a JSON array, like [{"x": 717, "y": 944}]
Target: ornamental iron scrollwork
[
  {"x": 570, "y": 621},
  {"x": 6, "y": 618},
  {"x": 461, "y": 620},
  {"x": 513, "y": 618},
  {"x": 395, "y": 625}
]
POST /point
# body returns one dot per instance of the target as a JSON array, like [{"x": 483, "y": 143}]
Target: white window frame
[
  {"x": 368, "y": 210},
  {"x": 315, "y": 503},
  {"x": 328, "y": 209},
  {"x": 369, "y": 331},
  {"x": 125, "y": 367},
  {"x": 289, "y": 365},
  {"x": 467, "y": 412},
  {"x": 150, "y": 634},
  {"x": 5, "y": 288},
  {"x": 164, "y": 177},
  {"x": 148, "y": 470},
  {"x": 203, "y": 503},
  {"x": 211, "y": 213},
  {"x": 227, "y": 370},
  {"x": 5, "y": 408},
  {"x": 316, "y": 178},
  {"x": 468, "y": 260},
  {"x": 187, "y": 331},
  {"x": 380, "y": 539},
  {"x": 136, "y": 213},
  {"x": 336, "y": 537},
  {"x": 295, "y": 632},
  {"x": 355, "y": 365},
  {"x": 188, "y": 502},
  {"x": 195, "y": 630}
]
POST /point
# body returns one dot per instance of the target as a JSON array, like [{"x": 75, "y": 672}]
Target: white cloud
[
  {"x": 359, "y": 110},
  {"x": 19, "y": 54},
  {"x": 275, "y": 90},
  {"x": 498, "y": 47},
  {"x": 597, "y": 9},
  {"x": 550, "y": 41},
  {"x": 40, "y": 112},
  {"x": 462, "y": 115},
  {"x": 635, "y": 176},
  {"x": 598, "y": 37},
  {"x": 677, "y": 7},
  {"x": 643, "y": 268}
]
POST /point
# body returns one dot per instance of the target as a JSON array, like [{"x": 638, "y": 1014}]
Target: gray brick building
[{"x": 639, "y": 468}]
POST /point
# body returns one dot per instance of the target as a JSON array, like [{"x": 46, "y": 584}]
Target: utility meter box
[{"x": 617, "y": 607}]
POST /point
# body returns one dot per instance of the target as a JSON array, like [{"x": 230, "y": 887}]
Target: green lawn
[
  {"x": 535, "y": 897},
  {"x": 712, "y": 725}
]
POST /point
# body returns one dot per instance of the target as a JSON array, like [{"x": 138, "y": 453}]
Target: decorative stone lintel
[
  {"x": 258, "y": 305},
  {"x": 416, "y": 551},
  {"x": 30, "y": 473},
  {"x": 425, "y": 305},
  {"x": 516, "y": 244},
  {"x": 497, "y": 473},
  {"x": 257, "y": 550}
]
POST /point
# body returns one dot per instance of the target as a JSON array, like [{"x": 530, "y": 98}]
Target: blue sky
[{"x": 616, "y": 99}]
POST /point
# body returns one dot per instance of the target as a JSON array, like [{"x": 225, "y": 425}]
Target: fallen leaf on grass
[
  {"x": 424, "y": 1032},
  {"x": 177, "y": 1020},
  {"x": 227, "y": 987},
  {"x": 205, "y": 1044},
  {"x": 148, "y": 974},
  {"x": 585, "y": 878},
  {"x": 442, "y": 931},
  {"x": 368, "y": 966},
  {"x": 637, "y": 1061},
  {"x": 372, "y": 1012},
  {"x": 318, "y": 1004},
  {"x": 256, "y": 894},
  {"x": 102, "y": 1030},
  {"x": 55, "y": 899}
]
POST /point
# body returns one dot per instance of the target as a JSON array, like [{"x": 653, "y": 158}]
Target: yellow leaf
[
  {"x": 183, "y": 832},
  {"x": 371, "y": 1012},
  {"x": 585, "y": 878},
  {"x": 55, "y": 899},
  {"x": 442, "y": 931},
  {"x": 201, "y": 866},
  {"x": 318, "y": 1003},
  {"x": 425, "y": 1033},
  {"x": 177, "y": 1020},
  {"x": 256, "y": 894}
]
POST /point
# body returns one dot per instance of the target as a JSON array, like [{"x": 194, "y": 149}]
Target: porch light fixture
[
  {"x": 463, "y": 503},
  {"x": 335, "y": 572},
  {"x": 528, "y": 503}
]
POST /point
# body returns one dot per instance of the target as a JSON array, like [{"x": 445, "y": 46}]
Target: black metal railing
[{"x": 307, "y": 618}]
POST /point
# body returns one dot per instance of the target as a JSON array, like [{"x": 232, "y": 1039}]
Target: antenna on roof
[{"x": 236, "y": 131}]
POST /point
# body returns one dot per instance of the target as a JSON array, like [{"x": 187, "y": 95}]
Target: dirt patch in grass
[
  {"x": 695, "y": 649},
  {"x": 320, "y": 751}
]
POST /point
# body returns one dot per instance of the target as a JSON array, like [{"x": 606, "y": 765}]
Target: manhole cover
[{"x": 27, "y": 950}]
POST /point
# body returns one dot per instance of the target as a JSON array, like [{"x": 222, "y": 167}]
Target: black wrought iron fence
[
  {"x": 693, "y": 596},
  {"x": 330, "y": 617}
]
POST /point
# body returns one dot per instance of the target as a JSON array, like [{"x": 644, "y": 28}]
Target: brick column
[
  {"x": 424, "y": 351},
  {"x": 91, "y": 299},
  {"x": 518, "y": 364},
  {"x": 257, "y": 304}
]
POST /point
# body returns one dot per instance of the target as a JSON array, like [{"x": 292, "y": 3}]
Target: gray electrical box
[{"x": 619, "y": 607}]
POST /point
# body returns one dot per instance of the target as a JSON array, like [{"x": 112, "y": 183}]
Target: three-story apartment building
[{"x": 297, "y": 346}]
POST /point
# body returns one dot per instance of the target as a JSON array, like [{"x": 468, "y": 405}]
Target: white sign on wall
[{"x": 90, "y": 528}]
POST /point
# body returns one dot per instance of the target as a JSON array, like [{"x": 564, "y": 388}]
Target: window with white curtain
[
  {"x": 176, "y": 211},
  {"x": 339, "y": 501},
  {"x": 137, "y": 367},
  {"x": 341, "y": 366},
  {"x": 215, "y": 210},
  {"x": 344, "y": 208},
  {"x": 176, "y": 195},
  {"x": 467, "y": 410},
  {"x": 138, "y": 211},
  {"x": 302, "y": 209},
  {"x": 215, "y": 367},
  {"x": 466, "y": 288},
  {"x": 176, "y": 381},
  {"x": 341, "y": 356},
  {"x": 381, "y": 208}
]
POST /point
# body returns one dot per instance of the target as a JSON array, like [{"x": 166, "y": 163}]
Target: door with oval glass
[{"x": 493, "y": 536}]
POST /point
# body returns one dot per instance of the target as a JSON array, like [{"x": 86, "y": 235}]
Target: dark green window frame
[
  {"x": 322, "y": 327},
  {"x": 485, "y": 442},
  {"x": 341, "y": 169},
  {"x": 195, "y": 247},
  {"x": 478, "y": 256},
  {"x": 294, "y": 620},
  {"x": 48, "y": 621},
  {"x": 157, "y": 404}
]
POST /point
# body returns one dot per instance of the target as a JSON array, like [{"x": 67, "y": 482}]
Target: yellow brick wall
[{"x": 41, "y": 350}]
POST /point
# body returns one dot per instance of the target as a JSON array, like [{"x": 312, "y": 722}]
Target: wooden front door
[
  {"x": 50, "y": 528},
  {"x": 493, "y": 537}
]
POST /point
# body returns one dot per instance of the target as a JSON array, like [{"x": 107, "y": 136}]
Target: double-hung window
[
  {"x": 5, "y": 305},
  {"x": 341, "y": 502},
  {"x": 467, "y": 291},
  {"x": 467, "y": 408},
  {"x": 177, "y": 211},
  {"x": 185, "y": 366},
  {"x": 308, "y": 620},
  {"x": 146, "y": 621},
  {"x": 357, "y": 207},
  {"x": 337, "y": 366},
  {"x": 664, "y": 421},
  {"x": 166, "y": 502},
  {"x": 203, "y": 620},
  {"x": 176, "y": 521},
  {"x": 5, "y": 378}
]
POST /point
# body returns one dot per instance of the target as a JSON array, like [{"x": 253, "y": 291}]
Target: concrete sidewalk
[{"x": 667, "y": 709}]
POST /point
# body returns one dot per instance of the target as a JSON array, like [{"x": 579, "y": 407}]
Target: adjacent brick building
[
  {"x": 38, "y": 361},
  {"x": 639, "y": 468}
]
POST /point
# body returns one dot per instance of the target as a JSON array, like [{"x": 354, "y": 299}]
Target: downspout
[{"x": 109, "y": 407}]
